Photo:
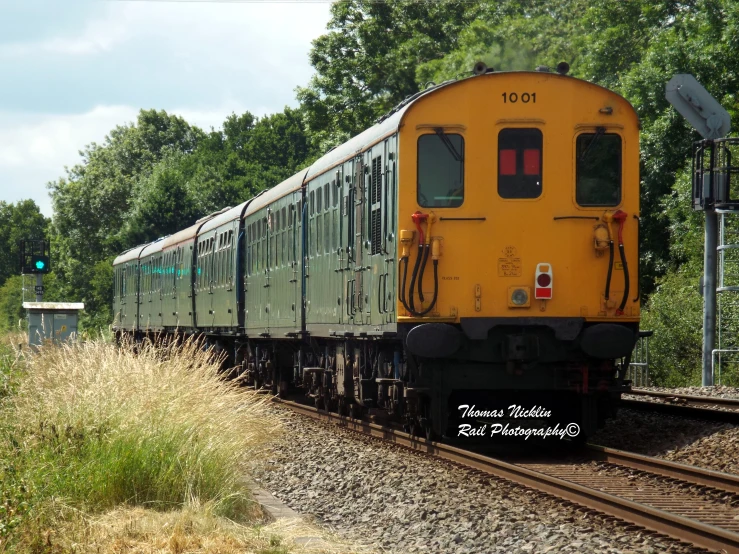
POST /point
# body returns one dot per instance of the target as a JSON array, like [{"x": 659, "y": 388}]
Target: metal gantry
[
  {"x": 716, "y": 192},
  {"x": 712, "y": 121}
]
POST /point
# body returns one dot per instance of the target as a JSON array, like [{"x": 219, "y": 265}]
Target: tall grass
[{"x": 94, "y": 426}]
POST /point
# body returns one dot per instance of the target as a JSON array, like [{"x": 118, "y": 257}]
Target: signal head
[{"x": 40, "y": 264}]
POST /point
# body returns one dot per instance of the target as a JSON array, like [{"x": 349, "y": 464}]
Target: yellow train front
[{"x": 522, "y": 189}]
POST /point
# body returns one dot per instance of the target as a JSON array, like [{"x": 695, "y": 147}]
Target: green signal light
[{"x": 40, "y": 264}]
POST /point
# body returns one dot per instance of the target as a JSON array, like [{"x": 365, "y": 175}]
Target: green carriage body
[
  {"x": 126, "y": 293},
  {"x": 272, "y": 254}
]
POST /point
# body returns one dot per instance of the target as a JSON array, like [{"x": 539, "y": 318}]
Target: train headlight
[{"x": 519, "y": 297}]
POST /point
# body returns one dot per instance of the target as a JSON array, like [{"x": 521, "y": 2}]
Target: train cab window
[
  {"x": 440, "y": 170},
  {"x": 598, "y": 176},
  {"x": 519, "y": 163}
]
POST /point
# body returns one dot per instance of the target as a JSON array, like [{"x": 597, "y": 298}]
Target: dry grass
[
  {"x": 106, "y": 450},
  {"x": 193, "y": 529},
  {"x": 94, "y": 427},
  {"x": 156, "y": 428}
]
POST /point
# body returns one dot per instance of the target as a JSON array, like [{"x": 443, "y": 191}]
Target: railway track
[
  {"x": 684, "y": 502},
  {"x": 696, "y": 407}
]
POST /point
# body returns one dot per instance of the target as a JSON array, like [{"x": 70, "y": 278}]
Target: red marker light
[{"x": 543, "y": 289}]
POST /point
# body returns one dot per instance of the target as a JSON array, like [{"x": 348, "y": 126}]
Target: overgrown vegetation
[
  {"x": 158, "y": 174},
  {"x": 89, "y": 427}
]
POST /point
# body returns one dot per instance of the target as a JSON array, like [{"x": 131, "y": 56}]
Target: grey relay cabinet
[{"x": 52, "y": 320}]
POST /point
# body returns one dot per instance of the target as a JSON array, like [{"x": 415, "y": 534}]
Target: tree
[
  {"x": 367, "y": 61},
  {"x": 91, "y": 204},
  {"x": 22, "y": 220}
]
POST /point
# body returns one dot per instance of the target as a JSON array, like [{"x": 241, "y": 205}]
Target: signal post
[{"x": 713, "y": 122}]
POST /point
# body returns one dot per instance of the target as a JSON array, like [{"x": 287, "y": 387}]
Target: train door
[
  {"x": 122, "y": 279},
  {"x": 268, "y": 267},
  {"x": 360, "y": 189},
  {"x": 176, "y": 285},
  {"x": 390, "y": 218},
  {"x": 377, "y": 213},
  {"x": 293, "y": 252},
  {"x": 257, "y": 296},
  {"x": 211, "y": 272},
  {"x": 346, "y": 214},
  {"x": 337, "y": 251}
]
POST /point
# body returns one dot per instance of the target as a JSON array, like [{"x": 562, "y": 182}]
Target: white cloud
[
  {"x": 94, "y": 39},
  {"x": 35, "y": 149},
  {"x": 200, "y": 60}
]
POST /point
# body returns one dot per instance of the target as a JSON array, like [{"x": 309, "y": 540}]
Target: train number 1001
[{"x": 514, "y": 97}]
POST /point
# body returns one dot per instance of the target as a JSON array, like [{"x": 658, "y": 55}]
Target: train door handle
[
  {"x": 380, "y": 296},
  {"x": 384, "y": 294}
]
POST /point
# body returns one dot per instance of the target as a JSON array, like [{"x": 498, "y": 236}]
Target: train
[{"x": 426, "y": 264}]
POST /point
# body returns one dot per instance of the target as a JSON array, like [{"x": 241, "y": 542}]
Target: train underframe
[{"x": 440, "y": 383}]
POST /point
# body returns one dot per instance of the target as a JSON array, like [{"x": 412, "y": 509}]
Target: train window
[
  {"x": 326, "y": 198},
  {"x": 519, "y": 163},
  {"x": 336, "y": 230},
  {"x": 319, "y": 233},
  {"x": 327, "y": 233},
  {"x": 598, "y": 176},
  {"x": 440, "y": 170},
  {"x": 319, "y": 202},
  {"x": 336, "y": 193},
  {"x": 284, "y": 219},
  {"x": 312, "y": 201}
]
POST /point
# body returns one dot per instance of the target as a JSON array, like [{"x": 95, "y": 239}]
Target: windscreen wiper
[
  {"x": 599, "y": 132},
  {"x": 448, "y": 143}
]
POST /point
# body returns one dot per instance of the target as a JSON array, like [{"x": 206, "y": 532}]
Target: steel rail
[
  {"x": 678, "y": 527},
  {"x": 666, "y": 468},
  {"x": 690, "y": 399},
  {"x": 693, "y": 412}
]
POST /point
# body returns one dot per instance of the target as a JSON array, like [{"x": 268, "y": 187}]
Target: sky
[{"x": 71, "y": 70}]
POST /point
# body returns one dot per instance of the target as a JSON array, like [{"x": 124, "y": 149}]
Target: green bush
[
  {"x": 92, "y": 426},
  {"x": 675, "y": 314}
]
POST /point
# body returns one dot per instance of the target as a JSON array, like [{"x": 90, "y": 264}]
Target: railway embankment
[
  {"x": 700, "y": 442},
  {"x": 388, "y": 498},
  {"x": 109, "y": 450}
]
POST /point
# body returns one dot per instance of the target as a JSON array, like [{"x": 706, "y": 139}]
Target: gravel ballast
[{"x": 379, "y": 495}]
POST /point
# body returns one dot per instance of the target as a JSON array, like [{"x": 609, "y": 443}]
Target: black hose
[
  {"x": 414, "y": 276},
  {"x": 402, "y": 287},
  {"x": 626, "y": 278},
  {"x": 436, "y": 291},
  {"x": 423, "y": 268},
  {"x": 610, "y": 269}
]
